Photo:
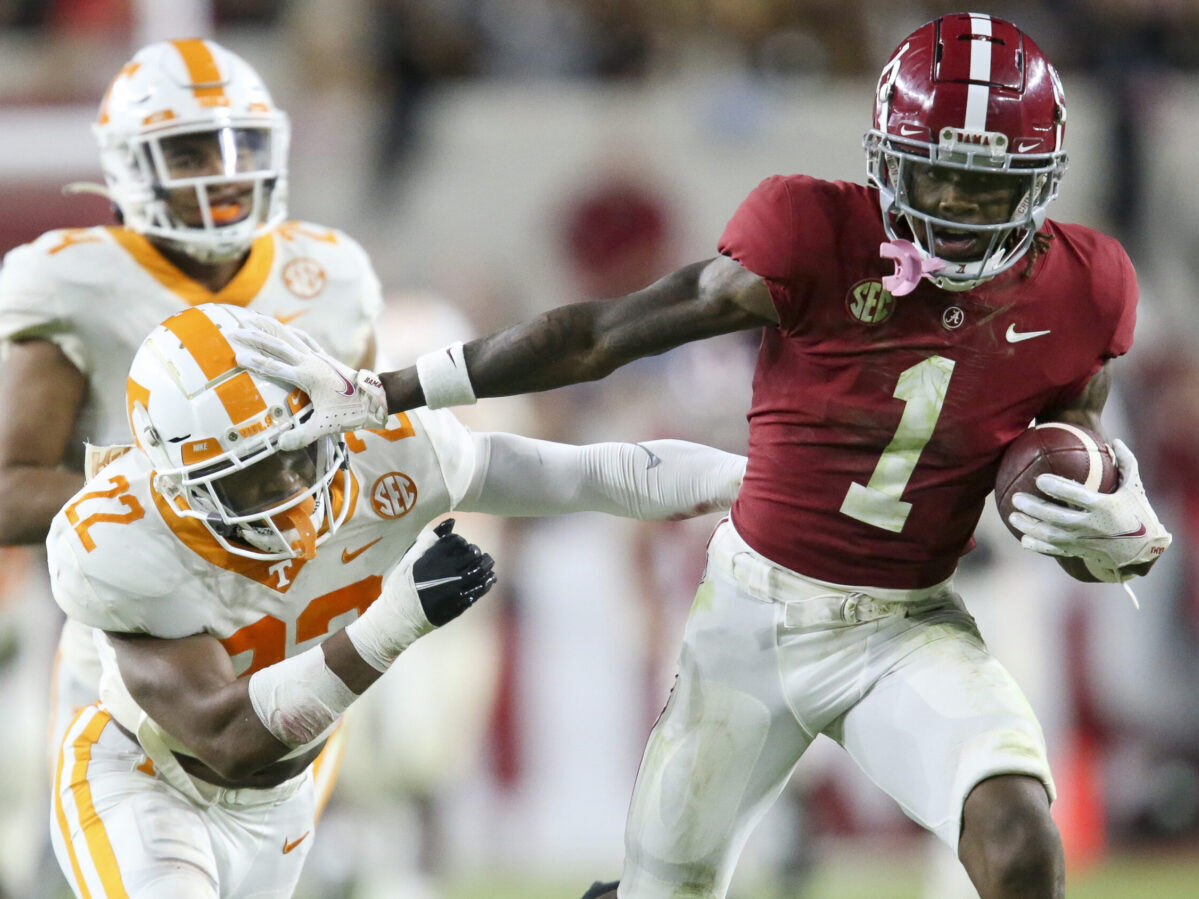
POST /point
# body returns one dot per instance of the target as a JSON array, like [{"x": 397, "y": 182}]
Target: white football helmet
[
  {"x": 211, "y": 430},
  {"x": 193, "y": 149}
]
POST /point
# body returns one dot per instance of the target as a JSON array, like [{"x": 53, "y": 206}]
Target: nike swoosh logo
[
  {"x": 350, "y": 555},
  {"x": 1014, "y": 336},
  {"x": 1023, "y": 147},
  {"x": 288, "y": 847},
  {"x": 349, "y": 391},
  {"x": 285, "y": 319},
  {"x": 1139, "y": 532},
  {"x": 654, "y": 460},
  {"x": 908, "y": 130}
]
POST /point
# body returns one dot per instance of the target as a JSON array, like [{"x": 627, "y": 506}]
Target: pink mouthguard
[{"x": 909, "y": 266}]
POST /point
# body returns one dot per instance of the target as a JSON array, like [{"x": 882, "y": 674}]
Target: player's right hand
[
  {"x": 451, "y": 575},
  {"x": 1113, "y": 532},
  {"x": 342, "y": 399}
]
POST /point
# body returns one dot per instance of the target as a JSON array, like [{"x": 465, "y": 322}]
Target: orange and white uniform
[
  {"x": 121, "y": 560},
  {"x": 126, "y": 815},
  {"x": 97, "y": 292}
]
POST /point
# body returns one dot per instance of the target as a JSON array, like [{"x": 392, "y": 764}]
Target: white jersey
[
  {"x": 121, "y": 560},
  {"x": 97, "y": 292}
]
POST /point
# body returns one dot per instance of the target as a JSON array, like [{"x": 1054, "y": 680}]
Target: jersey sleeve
[
  {"x": 1123, "y": 301},
  {"x": 100, "y": 547},
  {"x": 31, "y": 305},
  {"x": 760, "y": 235},
  {"x": 79, "y": 593},
  {"x": 783, "y": 232},
  {"x": 454, "y": 448}
]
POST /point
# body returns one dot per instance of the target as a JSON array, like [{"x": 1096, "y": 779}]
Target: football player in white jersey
[
  {"x": 242, "y": 596},
  {"x": 194, "y": 154}
]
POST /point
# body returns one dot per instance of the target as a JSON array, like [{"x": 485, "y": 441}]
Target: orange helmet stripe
[
  {"x": 240, "y": 397},
  {"x": 135, "y": 393},
  {"x": 203, "y": 71},
  {"x": 215, "y": 357},
  {"x": 203, "y": 340},
  {"x": 126, "y": 70}
]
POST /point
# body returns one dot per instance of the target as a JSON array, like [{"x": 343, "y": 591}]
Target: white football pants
[
  {"x": 769, "y": 661},
  {"x": 121, "y": 832}
]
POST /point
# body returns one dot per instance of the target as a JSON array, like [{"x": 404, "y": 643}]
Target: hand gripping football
[{"x": 1070, "y": 451}]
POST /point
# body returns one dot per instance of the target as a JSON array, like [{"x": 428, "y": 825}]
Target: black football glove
[{"x": 451, "y": 576}]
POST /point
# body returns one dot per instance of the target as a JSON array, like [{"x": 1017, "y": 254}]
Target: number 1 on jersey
[{"x": 922, "y": 388}]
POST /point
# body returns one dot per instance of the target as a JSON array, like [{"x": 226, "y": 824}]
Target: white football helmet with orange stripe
[
  {"x": 211, "y": 430},
  {"x": 193, "y": 148}
]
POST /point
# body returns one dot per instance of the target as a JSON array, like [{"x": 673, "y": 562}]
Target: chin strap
[
  {"x": 299, "y": 518},
  {"x": 910, "y": 266}
]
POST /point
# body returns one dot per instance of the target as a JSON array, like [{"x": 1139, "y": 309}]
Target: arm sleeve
[
  {"x": 31, "y": 304},
  {"x": 659, "y": 479}
]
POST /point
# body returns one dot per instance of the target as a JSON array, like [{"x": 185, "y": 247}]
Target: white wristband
[
  {"x": 300, "y": 698},
  {"x": 444, "y": 379}
]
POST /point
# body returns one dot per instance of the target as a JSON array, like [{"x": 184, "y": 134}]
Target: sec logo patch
[
  {"x": 869, "y": 303},
  {"x": 304, "y": 277},
  {"x": 393, "y": 495}
]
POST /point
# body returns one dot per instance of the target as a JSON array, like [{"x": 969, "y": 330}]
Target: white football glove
[
  {"x": 1108, "y": 531},
  {"x": 342, "y": 399}
]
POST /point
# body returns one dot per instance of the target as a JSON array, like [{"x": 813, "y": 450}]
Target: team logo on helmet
[
  {"x": 393, "y": 495},
  {"x": 869, "y": 303}
]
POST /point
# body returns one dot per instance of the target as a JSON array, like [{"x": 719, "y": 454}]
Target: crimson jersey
[{"x": 877, "y": 422}]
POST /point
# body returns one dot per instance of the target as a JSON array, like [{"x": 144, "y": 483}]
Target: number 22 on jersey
[{"x": 878, "y": 502}]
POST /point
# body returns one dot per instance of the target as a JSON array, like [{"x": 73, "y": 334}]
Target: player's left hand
[
  {"x": 342, "y": 399},
  {"x": 1110, "y": 531},
  {"x": 451, "y": 575}
]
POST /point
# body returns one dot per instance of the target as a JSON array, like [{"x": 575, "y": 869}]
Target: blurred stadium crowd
[{"x": 497, "y": 157}]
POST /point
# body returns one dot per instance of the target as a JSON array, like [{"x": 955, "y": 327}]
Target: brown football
[{"x": 1071, "y": 451}]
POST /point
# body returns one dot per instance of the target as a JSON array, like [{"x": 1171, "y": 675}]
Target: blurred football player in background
[
  {"x": 232, "y": 632},
  {"x": 882, "y": 404},
  {"x": 194, "y": 154}
]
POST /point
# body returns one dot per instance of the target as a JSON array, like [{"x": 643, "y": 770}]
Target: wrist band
[
  {"x": 444, "y": 379},
  {"x": 395, "y": 620},
  {"x": 300, "y": 698}
]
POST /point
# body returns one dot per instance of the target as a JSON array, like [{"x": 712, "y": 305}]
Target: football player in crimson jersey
[{"x": 911, "y": 329}]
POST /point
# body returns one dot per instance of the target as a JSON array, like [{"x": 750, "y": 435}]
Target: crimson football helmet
[
  {"x": 211, "y": 430},
  {"x": 193, "y": 148},
  {"x": 969, "y": 92}
]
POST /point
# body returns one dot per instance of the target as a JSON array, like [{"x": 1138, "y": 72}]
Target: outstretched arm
[
  {"x": 657, "y": 479},
  {"x": 588, "y": 341},
  {"x": 567, "y": 345}
]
